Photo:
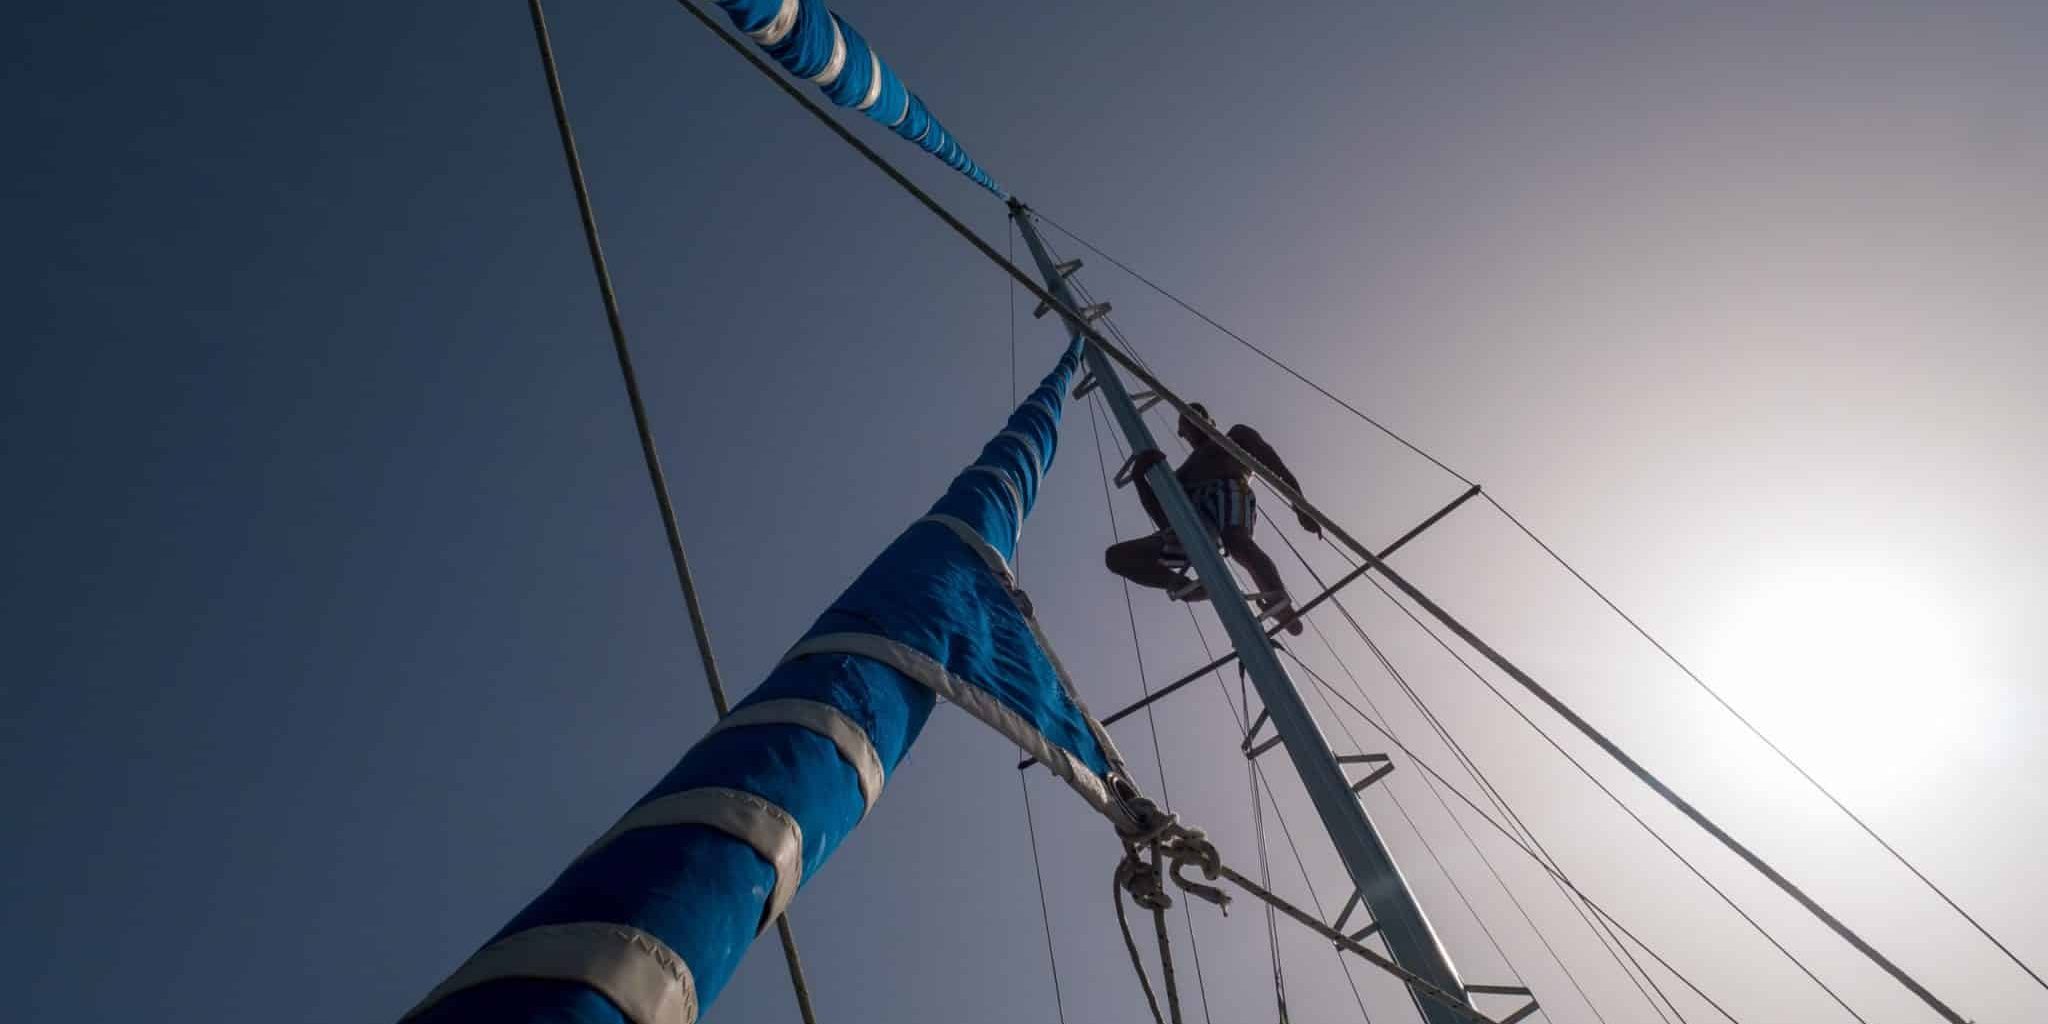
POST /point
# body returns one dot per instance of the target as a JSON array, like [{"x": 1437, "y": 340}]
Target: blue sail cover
[
  {"x": 650, "y": 922},
  {"x": 812, "y": 42}
]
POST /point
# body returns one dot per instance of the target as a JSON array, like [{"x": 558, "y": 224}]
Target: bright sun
[{"x": 1847, "y": 662}]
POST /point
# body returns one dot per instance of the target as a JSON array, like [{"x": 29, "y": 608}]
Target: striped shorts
[{"x": 1222, "y": 504}]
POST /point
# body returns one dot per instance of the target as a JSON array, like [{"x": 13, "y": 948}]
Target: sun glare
[{"x": 1848, "y": 663}]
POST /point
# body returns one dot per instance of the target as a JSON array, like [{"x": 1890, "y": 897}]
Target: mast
[{"x": 1378, "y": 880}]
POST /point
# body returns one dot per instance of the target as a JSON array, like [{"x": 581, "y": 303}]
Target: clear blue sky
[{"x": 339, "y": 618}]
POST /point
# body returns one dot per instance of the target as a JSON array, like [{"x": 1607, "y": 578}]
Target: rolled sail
[
  {"x": 648, "y": 924},
  {"x": 811, "y": 42}
]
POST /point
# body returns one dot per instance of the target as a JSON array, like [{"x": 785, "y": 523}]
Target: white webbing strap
[
  {"x": 994, "y": 560},
  {"x": 644, "y": 978},
  {"x": 825, "y": 720},
  {"x": 1009, "y": 488},
  {"x": 973, "y": 699},
  {"x": 837, "y": 62},
  {"x": 1030, "y": 446},
  {"x": 771, "y": 831},
  {"x": 778, "y": 27},
  {"x": 874, "y": 82},
  {"x": 967, "y": 534}
]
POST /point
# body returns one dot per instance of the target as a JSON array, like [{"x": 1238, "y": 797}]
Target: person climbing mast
[{"x": 1220, "y": 489}]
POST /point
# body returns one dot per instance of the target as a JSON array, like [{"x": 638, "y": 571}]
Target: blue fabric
[
  {"x": 917, "y": 123},
  {"x": 893, "y": 102},
  {"x": 807, "y": 50},
  {"x": 808, "y": 46},
  {"x": 702, "y": 892},
  {"x": 750, "y": 15},
  {"x": 852, "y": 84}
]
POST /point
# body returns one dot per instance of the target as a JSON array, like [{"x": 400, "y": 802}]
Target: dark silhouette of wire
[{"x": 1675, "y": 661}]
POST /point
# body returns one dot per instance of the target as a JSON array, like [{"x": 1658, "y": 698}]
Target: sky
[{"x": 339, "y": 612}]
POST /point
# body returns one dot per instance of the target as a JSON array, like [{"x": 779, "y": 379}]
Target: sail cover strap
[
  {"x": 756, "y": 822},
  {"x": 812, "y": 42},
  {"x": 634, "y": 970},
  {"x": 987, "y": 552},
  {"x": 975, "y": 701},
  {"x": 826, "y": 721},
  {"x": 996, "y": 564},
  {"x": 719, "y": 846}
]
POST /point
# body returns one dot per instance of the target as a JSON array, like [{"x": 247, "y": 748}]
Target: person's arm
[{"x": 1256, "y": 447}]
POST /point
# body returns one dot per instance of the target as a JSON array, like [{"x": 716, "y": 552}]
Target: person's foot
[
  {"x": 1189, "y": 589},
  {"x": 1281, "y": 610}
]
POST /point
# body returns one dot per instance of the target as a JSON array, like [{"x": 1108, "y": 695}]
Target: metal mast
[{"x": 1380, "y": 886}]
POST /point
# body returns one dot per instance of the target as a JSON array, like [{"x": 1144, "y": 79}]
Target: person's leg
[
  {"x": 1238, "y": 544},
  {"x": 1142, "y": 562}
]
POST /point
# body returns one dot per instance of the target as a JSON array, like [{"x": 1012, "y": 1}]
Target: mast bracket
[
  {"x": 1343, "y": 915},
  {"x": 1386, "y": 765},
  {"x": 1252, "y": 746},
  {"x": 1089, "y": 314},
  {"x": 1506, "y": 990},
  {"x": 1088, "y": 383},
  {"x": 1144, "y": 399},
  {"x": 1066, "y": 270}
]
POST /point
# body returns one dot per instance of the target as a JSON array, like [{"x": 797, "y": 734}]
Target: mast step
[
  {"x": 1506, "y": 990},
  {"x": 1357, "y": 900},
  {"x": 1089, "y": 314},
  {"x": 1251, "y": 745},
  {"x": 1386, "y": 765}
]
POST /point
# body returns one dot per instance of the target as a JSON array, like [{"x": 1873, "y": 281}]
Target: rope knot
[
  {"x": 1191, "y": 847},
  {"x": 1142, "y": 881},
  {"x": 1149, "y": 822}
]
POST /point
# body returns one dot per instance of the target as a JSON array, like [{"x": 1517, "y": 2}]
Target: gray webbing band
[
  {"x": 989, "y": 555},
  {"x": 974, "y": 700},
  {"x": 769, "y": 829},
  {"x": 825, "y": 720},
  {"x": 644, "y": 978},
  {"x": 994, "y": 560},
  {"x": 1016, "y": 499},
  {"x": 1030, "y": 447}
]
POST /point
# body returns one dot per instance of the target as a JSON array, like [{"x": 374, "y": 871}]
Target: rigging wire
[
  {"x": 1052, "y": 957},
  {"x": 1268, "y": 356},
  {"x": 1058, "y": 1001},
  {"x": 1774, "y": 748},
  {"x": 1427, "y": 846},
  {"x": 1117, "y": 332},
  {"x": 1258, "y": 805},
  {"x": 1117, "y": 355},
  {"x": 1399, "y": 807},
  {"x": 1484, "y": 785},
  {"x": 659, "y": 481},
  {"x": 1503, "y": 830},
  {"x": 1485, "y": 788},
  {"x": 1608, "y": 941},
  {"x": 1158, "y": 756},
  {"x": 1625, "y": 808},
  {"x": 1568, "y": 567},
  {"x": 1558, "y": 706},
  {"x": 1258, "y": 774}
]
